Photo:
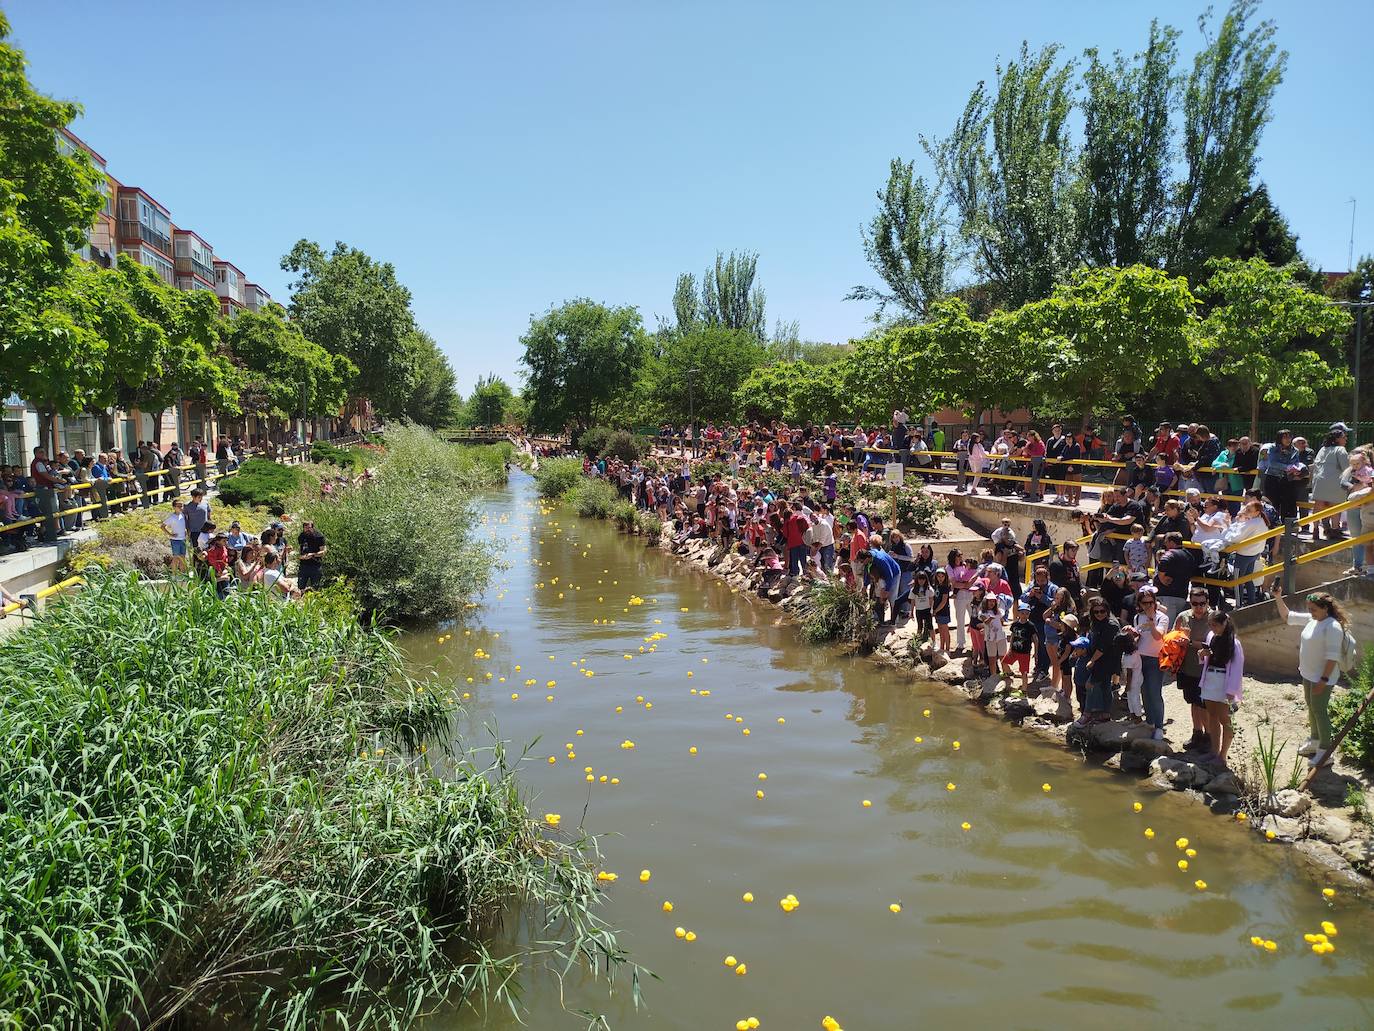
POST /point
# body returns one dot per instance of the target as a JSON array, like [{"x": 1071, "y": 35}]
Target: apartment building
[{"x": 133, "y": 222}]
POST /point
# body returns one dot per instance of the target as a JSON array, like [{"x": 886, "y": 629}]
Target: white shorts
[{"x": 1213, "y": 686}]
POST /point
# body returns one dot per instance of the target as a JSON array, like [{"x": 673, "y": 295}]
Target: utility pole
[
  {"x": 1350, "y": 256},
  {"x": 692, "y": 408}
]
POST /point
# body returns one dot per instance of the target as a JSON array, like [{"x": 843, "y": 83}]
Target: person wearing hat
[
  {"x": 1021, "y": 638},
  {"x": 1328, "y": 467}
]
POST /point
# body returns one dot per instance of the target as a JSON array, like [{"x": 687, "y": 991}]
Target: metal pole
[{"x": 1359, "y": 347}]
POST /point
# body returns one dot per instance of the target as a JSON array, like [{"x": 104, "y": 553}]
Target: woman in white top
[
  {"x": 1152, "y": 623},
  {"x": 977, "y": 460},
  {"x": 1319, "y": 657},
  {"x": 1249, "y": 522}
]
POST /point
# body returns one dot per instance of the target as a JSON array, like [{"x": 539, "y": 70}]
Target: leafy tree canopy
[{"x": 578, "y": 356}]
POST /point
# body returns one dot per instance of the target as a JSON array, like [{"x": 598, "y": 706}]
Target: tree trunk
[
  {"x": 1254, "y": 413},
  {"x": 157, "y": 428},
  {"x": 47, "y": 426}
]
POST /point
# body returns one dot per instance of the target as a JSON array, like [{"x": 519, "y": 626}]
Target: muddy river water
[{"x": 1030, "y": 894}]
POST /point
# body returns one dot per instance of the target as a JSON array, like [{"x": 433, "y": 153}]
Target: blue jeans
[
  {"x": 796, "y": 560},
  {"x": 1355, "y": 520},
  {"x": 1152, "y": 690},
  {"x": 1246, "y": 593},
  {"x": 828, "y": 557}
]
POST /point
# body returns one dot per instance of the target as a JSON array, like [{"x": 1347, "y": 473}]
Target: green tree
[
  {"x": 99, "y": 338},
  {"x": 686, "y": 302},
  {"x": 1270, "y": 335},
  {"x": 491, "y": 398},
  {"x": 579, "y": 356},
  {"x": 890, "y": 371},
  {"x": 793, "y": 390},
  {"x": 433, "y": 399},
  {"x": 698, "y": 372},
  {"x": 352, "y": 305},
  {"x": 283, "y": 374},
  {"x": 977, "y": 365},
  {"x": 1227, "y": 101},
  {"x": 906, "y": 244},
  {"x": 1010, "y": 166},
  {"x": 187, "y": 366},
  {"x": 51, "y": 312},
  {"x": 731, "y": 296},
  {"x": 1101, "y": 336},
  {"x": 1125, "y": 195}
]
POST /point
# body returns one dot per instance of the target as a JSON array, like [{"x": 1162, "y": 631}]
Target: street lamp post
[
  {"x": 1359, "y": 308},
  {"x": 691, "y": 407}
]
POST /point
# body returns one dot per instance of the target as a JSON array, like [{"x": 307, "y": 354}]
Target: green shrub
[
  {"x": 837, "y": 614},
  {"x": 593, "y": 442},
  {"x": 264, "y": 483},
  {"x": 625, "y": 515},
  {"x": 624, "y": 446},
  {"x": 405, "y": 539},
  {"x": 650, "y": 525},
  {"x": 1358, "y": 745},
  {"x": 555, "y": 476},
  {"x": 592, "y": 499},
  {"x": 208, "y": 824},
  {"x": 345, "y": 458}
]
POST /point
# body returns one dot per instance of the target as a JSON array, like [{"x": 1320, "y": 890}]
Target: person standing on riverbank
[
  {"x": 1223, "y": 666},
  {"x": 174, "y": 526},
  {"x": 1319, "y": 664},
  {"x": 311, "y": 548}
]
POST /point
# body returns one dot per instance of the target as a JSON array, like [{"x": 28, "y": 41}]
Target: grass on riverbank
[{"x": 231, "y": 812}]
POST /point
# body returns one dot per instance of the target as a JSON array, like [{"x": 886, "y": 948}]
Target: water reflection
[{"x": 1051, "y": 910}]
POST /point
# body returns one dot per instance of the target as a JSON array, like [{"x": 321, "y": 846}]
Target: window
[
  {"x": 183, "y": 247},
  {"x": 12, "y": 442}
]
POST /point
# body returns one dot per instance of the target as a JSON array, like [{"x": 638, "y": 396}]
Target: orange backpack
[{"x": 1173, "y": 649}]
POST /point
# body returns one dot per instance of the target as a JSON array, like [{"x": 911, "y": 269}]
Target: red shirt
[
  {"x": 857, "y": 543},
  {"x": 1169, "y": 445},
  {"x": 795, "y": 529}
]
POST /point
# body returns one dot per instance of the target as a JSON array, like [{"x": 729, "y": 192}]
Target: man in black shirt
[
  {"x": 1245, "y": 462},
  {"x": 311, "y": 548},
  {"x": 1174, "y": 567}
]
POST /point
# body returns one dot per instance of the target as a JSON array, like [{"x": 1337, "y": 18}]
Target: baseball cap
[
  {"x": 1339, "y": 427},
  {"x": 1022, "y": 606},
  {"x": 1081, "y": 642}
]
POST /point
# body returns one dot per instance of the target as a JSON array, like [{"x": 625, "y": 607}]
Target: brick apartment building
[{"x": 133, "y": 222}]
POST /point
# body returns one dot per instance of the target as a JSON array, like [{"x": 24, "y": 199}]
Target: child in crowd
[
  {"x": 1021, "y": 642},
  {"x": 993, "y": 633},
  {"x": 1136, "y": 551},
  {"x": 1127, "y": 643},
  {"x": 922, "y": 599},
  {"x": 942, "y": 597}
]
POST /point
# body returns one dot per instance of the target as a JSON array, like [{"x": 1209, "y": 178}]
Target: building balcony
[{"x": 137, "y": 230}]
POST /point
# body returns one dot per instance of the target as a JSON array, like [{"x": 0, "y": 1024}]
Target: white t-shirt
[
  {"x": 176, "y": 526},
  {"x": 1321, "y": 641},
  {"x": 822, "y": 533},
  {"x": 1149, "y": 644}
]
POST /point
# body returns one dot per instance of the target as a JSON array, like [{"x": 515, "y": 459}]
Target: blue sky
[{"x": 507, "y": 156}]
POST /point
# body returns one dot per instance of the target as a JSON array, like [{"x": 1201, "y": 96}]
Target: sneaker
[
  {"x": 1158, "y": 735},
  {"x": 1310, "y": 748},
  {"x": 1318, "y": 759}
]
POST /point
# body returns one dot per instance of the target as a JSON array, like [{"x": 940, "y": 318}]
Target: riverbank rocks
[
  {"x": 1290, "y": 802},
  {"x": 1224, "y": 783},
  {"x": 1331, "y": 827},
  {"x": 1178, "y": 774},
  {"x": 1112, "y": 736}
]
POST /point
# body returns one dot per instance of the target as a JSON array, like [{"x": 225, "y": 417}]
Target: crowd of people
[
  {"x": 60, "y": 491},
  {"x": 1180, "y": 508},
  {"x": 234, "y": 560}
]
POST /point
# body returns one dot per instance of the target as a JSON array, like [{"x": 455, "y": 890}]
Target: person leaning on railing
[{"x": 1358, "y": 482}]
